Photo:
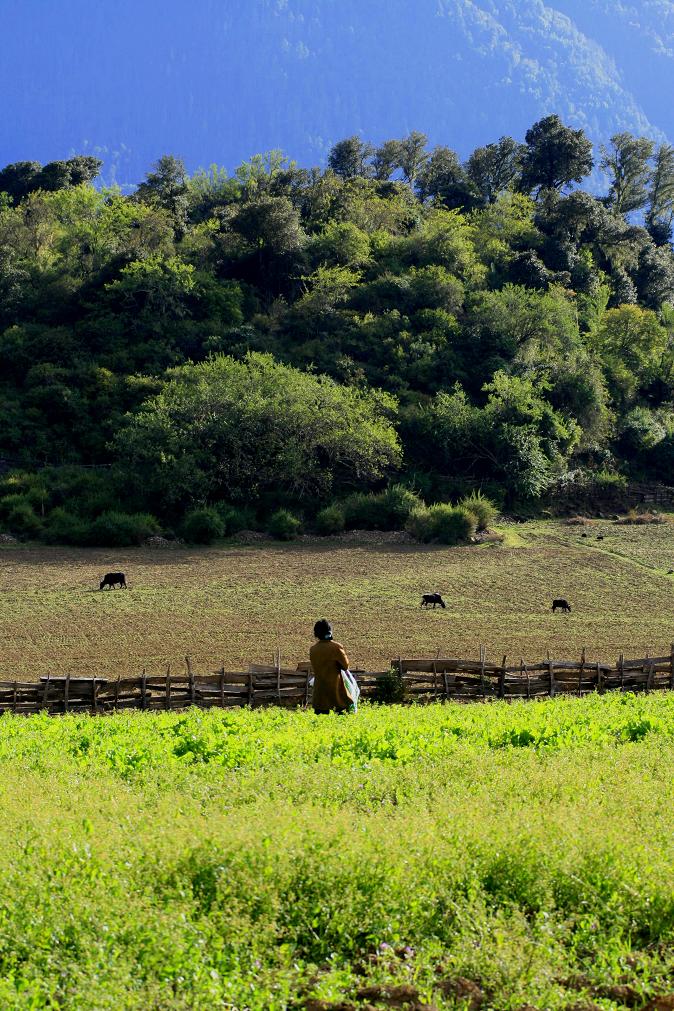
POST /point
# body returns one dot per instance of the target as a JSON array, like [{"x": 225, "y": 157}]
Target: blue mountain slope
[{"x": 218, "y": 80}]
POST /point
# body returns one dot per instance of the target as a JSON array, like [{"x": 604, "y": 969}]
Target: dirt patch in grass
[{"x": 239, "y": 604}]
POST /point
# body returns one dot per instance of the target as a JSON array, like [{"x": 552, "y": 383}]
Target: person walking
[{"x": 328, "y": 660}]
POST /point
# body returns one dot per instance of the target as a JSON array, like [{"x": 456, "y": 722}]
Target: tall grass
[{"x": 253, "y": 859}]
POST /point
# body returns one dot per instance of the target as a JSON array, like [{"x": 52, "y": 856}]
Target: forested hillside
[
  {"x": 287, "y": 337},
  {"x": 215, "y": 81}
]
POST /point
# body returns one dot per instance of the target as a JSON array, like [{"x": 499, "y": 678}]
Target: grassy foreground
[{"x": 268, "y": 860}]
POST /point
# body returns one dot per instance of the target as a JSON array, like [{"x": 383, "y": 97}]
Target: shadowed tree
[
  {"x": 494, "y": 168},
  {"x": 349, "y": 158},
  {"x": 166, "y": 186},
  {"x": 443, "y": 177},
  {"x": 661, "y": 192},
  {"x": 626, "y": 161},
  {"x": 555, "y": 156}
]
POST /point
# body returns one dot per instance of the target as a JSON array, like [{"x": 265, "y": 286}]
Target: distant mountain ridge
[{"x": 219, "y": 80}]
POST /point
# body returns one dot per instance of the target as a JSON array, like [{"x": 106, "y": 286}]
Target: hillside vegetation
[{"x": 283, "y": 338}]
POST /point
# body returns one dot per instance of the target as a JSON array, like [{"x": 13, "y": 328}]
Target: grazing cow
[
  {"x": 432, "y": 598},
  {"x": 111, "y": 579},
  {"x": 600, "y": 537},
  {"x": 583, "y": 535},
  {"x": 561, "y": 603}
]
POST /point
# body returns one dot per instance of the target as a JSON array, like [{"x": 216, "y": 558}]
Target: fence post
[
  {"x": 119, "y": 677},
  {"x": 190, "y": 677},
  {"x": 94, "y": 706},
  {"x": 66, "y": 692},
  {"x": 167, "y": 695},
  {"x": 552, "y": 677},
  {"x": 501, "y": 682},
  {"x": 671, "y": 666},
  {"x": 222, "y": 685},
  {"x": 278, "y": 674},
  {"x": 581, "y": 672},
  {"x": 45, "y": 697},
  {"x": 483, "y": 661},
  {"x": 250, "y": 688},
  {"x": 143, "y": 696}
]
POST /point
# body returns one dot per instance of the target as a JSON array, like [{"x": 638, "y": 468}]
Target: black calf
[
  {"x": 432, "y": 598},
  {"x": 562, "y": 604},
  {"x": 111, "y": 579}
]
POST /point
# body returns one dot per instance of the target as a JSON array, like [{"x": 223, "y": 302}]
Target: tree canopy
[{"x": 218, "y": 337}]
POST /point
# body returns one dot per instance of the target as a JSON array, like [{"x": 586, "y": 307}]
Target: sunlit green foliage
[{"x": 258, "y": 858}]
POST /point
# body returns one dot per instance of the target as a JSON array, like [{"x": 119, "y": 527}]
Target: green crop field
[
  {"x": 520, "y": 854},
  {"x": 239, "y": 604}
]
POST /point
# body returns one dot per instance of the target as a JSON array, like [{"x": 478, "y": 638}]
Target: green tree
[
  {"x": 167, "y": 186},
  {"x": 236, "y": 431},
  {"x": 661, "y": 192},
  {"x": 555, "y": 156},
  {"x": 442, "y": 177},
  {"x": 350, "y": 157},
  {"x": 495, "y": 168},
  {"x": 626, "y": 161}
]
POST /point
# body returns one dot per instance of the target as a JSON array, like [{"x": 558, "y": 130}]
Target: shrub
[
  {"x": 390, "y": 687},
  {"x": 420, "y": 524},
  {"x": 330, "y": 520},
  {"x": 66, "y": 528},
  {"x": 444, "y": 523},
  {"x": 482, "y": 508},
  {"x": 19, "y": 516},
  {"x": 203, "y": 526},
  {"x": 283, "y": 526},
  {"x": 235, "y": 518},
  {"x": 385, "y": 510},
  {"x": 453, "y": 524},
  {"x": 118, "y": 530},
  {"x": 608, "y": 480}
]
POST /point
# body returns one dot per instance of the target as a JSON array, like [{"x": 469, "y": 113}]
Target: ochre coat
[{"x": 327, "y": 659}]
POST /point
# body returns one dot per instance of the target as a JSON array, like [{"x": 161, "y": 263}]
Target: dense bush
[
  {"x": 384, "y": 510},
  {"x": 63, "y": 527},
  {"x": 118, "y": 530},
  {"x": 330, "y": 520},
  {"x": 235, "y": 518},
  {"x": 444, "y": 523},
  {"x": 203, "y": 526},
  {"x": 18, "y": 515},
  {"x": 283, "y": 525},
  {"x": 482, "y": 508}
]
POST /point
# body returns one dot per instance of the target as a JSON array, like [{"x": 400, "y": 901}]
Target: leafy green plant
[
  {"x": 203, "y": 526},
  {"x": 482, "y": 508},
  {"x": 63, "y": 527},
  {"x": 284, "y": 526},
  {"x": 385, "y": 510},
  {"x": 390, "y": 687},
  {"x": 330, "y": 520},
  {"x": 444, "y": 523},
  {"x": 19, "y": 517},
  {"x": 115, "y": 529}
]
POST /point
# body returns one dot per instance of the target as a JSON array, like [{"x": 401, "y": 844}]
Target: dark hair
[{"x": 323, "y": 629}]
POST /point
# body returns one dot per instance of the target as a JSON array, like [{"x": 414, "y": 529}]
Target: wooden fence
[{"x": 426, "y": 679}]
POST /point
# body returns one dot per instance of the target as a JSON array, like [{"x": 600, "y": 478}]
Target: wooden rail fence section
[{"x": 420, "y": 679}]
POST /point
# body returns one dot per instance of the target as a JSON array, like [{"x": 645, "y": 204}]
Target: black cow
[
  {"x": 432, "y": 598},
  {"x": 111, "y": 579},
  {"x": 561, "y": 603}
]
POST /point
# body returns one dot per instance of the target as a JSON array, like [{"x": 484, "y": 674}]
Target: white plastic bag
[{"x": 352, "y": 690}]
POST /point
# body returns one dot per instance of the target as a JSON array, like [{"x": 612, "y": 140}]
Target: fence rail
[{"x": 417, "y": 679}]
